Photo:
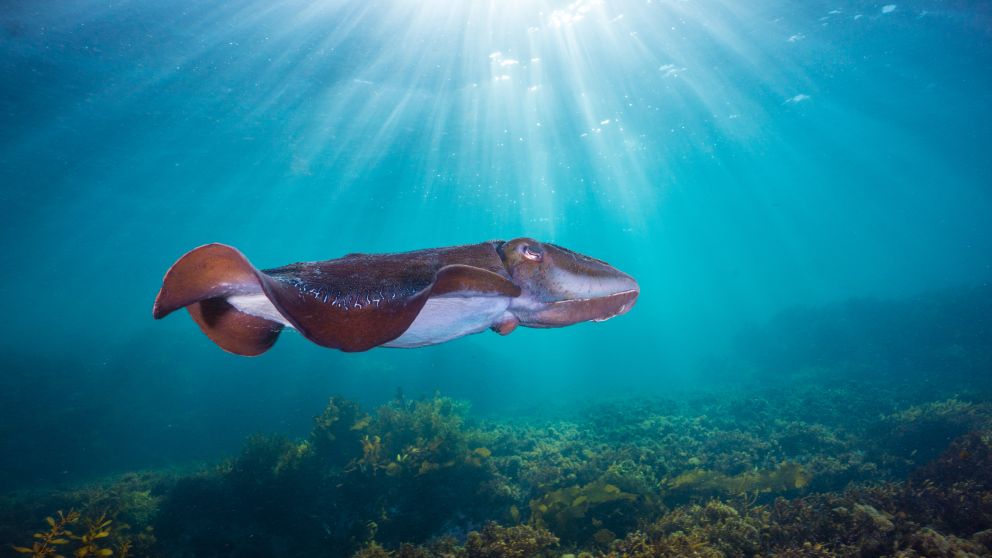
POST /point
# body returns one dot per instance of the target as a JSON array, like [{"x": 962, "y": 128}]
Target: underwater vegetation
[
  {"x": 691, "y": 475},
  {"x": 782, "y": 479},
  {"x": 93, "y": 542},
  {"x": 112, "y": 518},
  {"x": 405, "y": 472},
  {"x": 588, "y": 511}
]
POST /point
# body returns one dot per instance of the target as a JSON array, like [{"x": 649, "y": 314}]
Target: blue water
[{"x": 738, "y": 159}]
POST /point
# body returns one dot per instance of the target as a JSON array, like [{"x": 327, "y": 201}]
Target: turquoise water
[{"x": 739, "y": 160}]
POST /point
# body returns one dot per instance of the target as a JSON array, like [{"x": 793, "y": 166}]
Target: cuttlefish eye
[{"x": 531, "y": 253}]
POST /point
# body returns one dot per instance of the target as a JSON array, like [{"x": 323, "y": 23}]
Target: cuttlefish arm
[{"x": 353, "y": 303}]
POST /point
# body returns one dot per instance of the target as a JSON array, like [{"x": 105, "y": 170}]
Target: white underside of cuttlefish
[{"x": 442, "y": 319}]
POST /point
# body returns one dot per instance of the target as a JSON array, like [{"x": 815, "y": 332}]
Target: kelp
[
  {"x": 703, "y": 484},
  {"x": 579, "y": 513}
]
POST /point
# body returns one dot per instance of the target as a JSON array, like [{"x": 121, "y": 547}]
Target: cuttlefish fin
[
  {"x": 201, "y": 281},
  {"x": 233, "y": 330},
  {"x": 466, "y": 280},
  {"x": 352, "y": 325},
  {"x": 361, "y": 323}
]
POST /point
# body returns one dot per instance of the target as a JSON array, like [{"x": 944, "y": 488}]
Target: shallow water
[{"x": 802, "y": 191}]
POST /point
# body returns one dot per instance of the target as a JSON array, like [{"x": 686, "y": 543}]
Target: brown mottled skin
[{"x": 362, "y": 301}]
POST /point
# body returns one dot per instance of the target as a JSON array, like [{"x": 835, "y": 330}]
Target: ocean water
[{"x": 803, "y": 191}]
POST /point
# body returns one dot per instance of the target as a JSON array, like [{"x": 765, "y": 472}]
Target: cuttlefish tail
[{"x": 201, "y": 281}]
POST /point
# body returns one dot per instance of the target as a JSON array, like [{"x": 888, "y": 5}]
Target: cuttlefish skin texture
[{"x": 410, "y": 299}]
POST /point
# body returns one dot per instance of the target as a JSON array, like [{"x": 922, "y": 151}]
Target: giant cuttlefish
[{"x": 410, "y": 299}]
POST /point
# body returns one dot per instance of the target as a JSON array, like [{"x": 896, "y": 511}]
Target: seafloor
[{"x": 874, "y": 445}]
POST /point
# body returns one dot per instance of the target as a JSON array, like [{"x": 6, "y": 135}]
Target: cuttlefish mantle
[{"x": 410, "y": 299}]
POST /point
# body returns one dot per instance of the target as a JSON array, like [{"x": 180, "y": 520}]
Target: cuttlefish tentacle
[{"x": 407, "y": 299}]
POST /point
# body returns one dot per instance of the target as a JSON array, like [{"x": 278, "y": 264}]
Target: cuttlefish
[{"x": 410, "y": 299}]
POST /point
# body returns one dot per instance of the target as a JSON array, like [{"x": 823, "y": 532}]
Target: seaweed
[
  {"x": 47, "y": 542},
  {"x": 335, "y": 432},
  {"x": 698, "y": 475},
  {"x": 954, "y": 492},
  {"x": 589, "y": 512},
  {"x": 357, "y": 478},
  {"x": 713, "y": 530},
  {"x": 916, "y": 434},
  {"x": 520, "y": 541},
  {"x": 91, "y": 543},
  {"x": 701, "y": 483}
]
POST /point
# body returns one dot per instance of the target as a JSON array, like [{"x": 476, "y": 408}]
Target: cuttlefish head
[{"x": 560, "y": 287}]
